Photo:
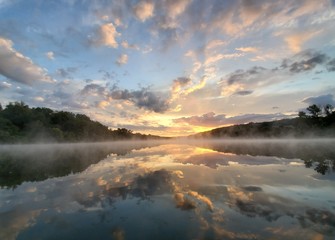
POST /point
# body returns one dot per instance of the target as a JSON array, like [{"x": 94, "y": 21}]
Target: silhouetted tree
[
  {"x": 314, "y": 110},
  {"x": 328, "y": 109},
  {"x": 302, "y": 114}
]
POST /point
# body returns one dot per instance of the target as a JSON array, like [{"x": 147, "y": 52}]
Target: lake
[{"x": 231, "y": 189}]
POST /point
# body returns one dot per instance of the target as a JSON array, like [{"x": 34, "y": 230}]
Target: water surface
[{"x": 272, "y": 189}]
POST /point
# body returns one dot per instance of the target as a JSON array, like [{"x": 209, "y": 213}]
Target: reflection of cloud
[
  {"x": 15, "y": 221},
  {"x": 183, "y": 202},
  {"x": 203, "y": 199}
]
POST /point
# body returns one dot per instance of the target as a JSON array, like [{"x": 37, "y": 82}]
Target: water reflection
[
  {"x": 319, "y": 154},
  {"x": 174, "y": 191},
  {"x": 20, "y": 163}
]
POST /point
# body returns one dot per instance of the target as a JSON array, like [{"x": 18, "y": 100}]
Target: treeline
[
  {"x": 20, "y": 123},
  {"x": 316, "y": 121}
]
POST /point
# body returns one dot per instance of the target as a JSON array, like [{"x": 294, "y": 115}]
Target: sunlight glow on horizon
[{"x": 169, "y": 68}]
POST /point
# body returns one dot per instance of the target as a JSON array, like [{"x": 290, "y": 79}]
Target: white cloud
[
  {"x": 247, "y": 49},
  {"x": 50, "y": 55},
  {"x": 5, "y": 85},
  {"x": 123, "y": 59},
  {"x": 39, "y": 99},
  {"x": 18, "y": 67},
  {"x": 214, "y": 58},
  {"x": 144, "y": 10}
]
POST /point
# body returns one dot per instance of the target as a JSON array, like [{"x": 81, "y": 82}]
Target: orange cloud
[
  {"x": 296, "y": 40},
  {"x": 144, "y": 10},
  {"x": 108, "y": 35}
]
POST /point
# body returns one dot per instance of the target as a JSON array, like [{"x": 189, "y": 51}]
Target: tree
[
  {"x": 302, "y": 114},
  {"x": 328, "y": 109},
  {"x": 18, "y": 113},
  {"x": 314, "y": 110}
]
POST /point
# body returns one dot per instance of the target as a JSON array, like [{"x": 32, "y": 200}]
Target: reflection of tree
[
  {"x": 37, "y": 163},
  {"x": 320, "y": 154},
  {"x": 272, "y": 208}
]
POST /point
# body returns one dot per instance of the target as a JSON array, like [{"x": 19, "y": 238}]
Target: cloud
[
  {"x": 93, "y": 90},
  {"x": 50, "y": 55},
  {"x": 247, "y": 49},
  {"x": 320, "y": 100},
  {"x": 214, "y": 58},
  {"x": 18, "y": 67},
  {"x": 103, "y": 104},
  {"x": 243, "y": 92},
  {"x": 215, "y": 43},
  {"x": 296, "y": 40},
  {"x": 144, "y": 10},
  {"x": 126, "y": 45},
  {"x": 108, "y": 35},
  {"x": 243, "y": 75},
  {"x": 212, "y": 120},
  {"x": 66, "y": 72},
  {"x": 39, "y": 99},
  {"x": 241, "y": 81},
  {"x": 304, "y": 61},
  {"x": 123, "y": 59},
  {"x": 180, "y": 83},
  {"x": 4, "y": 85},
  {"x": 143, "y": 98},
  {"x": 176, "y": 7},
  {"x": 331, "y": 65}
]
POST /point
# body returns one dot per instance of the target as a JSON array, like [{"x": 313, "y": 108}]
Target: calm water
[{"x": 163, "y": 190}]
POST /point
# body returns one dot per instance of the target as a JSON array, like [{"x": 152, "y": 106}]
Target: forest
[
  {"x": 21, "y": 124},
  {"x": 315, "y": 121}
]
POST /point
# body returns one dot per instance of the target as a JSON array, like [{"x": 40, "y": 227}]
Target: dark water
[{"x": 162, "y": 190}]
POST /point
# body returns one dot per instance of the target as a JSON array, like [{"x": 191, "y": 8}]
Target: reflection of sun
[{"x": 202, "y": 150}]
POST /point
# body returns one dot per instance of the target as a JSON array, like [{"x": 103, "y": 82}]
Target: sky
[{"x": 169, "y": 67}]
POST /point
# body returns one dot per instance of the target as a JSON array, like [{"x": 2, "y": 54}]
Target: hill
[
  {"x": 318, "y": 121},
  {"x": 20, "y": 123}
]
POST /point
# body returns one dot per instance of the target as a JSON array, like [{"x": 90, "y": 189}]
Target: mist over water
[{"x": 180, "y": 189}]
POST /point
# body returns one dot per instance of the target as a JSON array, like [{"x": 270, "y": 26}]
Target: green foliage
[{"x": 19, "y": 123}]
